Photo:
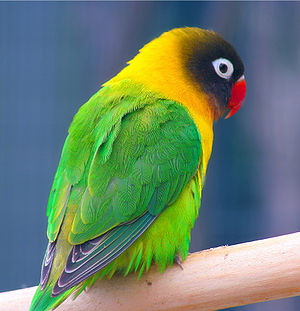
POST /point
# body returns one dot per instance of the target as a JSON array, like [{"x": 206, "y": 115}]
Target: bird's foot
[{"x": 178, "y": 261}]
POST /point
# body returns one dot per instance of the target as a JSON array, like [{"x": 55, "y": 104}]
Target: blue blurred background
[{"x": 54, "y": 56}]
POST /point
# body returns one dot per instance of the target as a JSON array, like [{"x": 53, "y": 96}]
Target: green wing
[
  {"x": 143, "y": 165},
  {"x": 124, "y": 161},
  {"x": 121, "y": 161}
]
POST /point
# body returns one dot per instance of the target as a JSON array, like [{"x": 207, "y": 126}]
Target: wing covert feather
[{"x": 147, "y": 168}]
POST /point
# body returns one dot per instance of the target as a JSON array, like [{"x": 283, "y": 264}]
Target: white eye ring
[{"x": 223, "y": 68}]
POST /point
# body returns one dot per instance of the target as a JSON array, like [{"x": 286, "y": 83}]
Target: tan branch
[{"x": 213, "y": 279}]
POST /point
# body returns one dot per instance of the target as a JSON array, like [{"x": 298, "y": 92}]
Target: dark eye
[{"x": 223, "y": 68}]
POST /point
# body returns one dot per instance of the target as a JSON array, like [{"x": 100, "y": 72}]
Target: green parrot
[{"x": 128, "y": 186}]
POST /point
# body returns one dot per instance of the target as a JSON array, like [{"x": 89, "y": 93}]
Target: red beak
[{"x": 238, "y": 93}]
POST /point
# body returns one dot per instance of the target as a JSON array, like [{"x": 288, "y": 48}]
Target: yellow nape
[{"x": 160, "y": 66}]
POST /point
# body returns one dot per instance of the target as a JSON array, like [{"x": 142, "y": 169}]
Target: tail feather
[{"x": 43, "y": 301}]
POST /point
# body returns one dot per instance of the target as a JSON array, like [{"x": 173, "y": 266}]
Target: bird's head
[
  {"x": 193, "y": 66},
  {"x": 215, "y": 66}
]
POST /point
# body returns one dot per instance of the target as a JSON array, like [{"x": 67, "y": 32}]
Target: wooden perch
[{"x": 214, "y": 279}]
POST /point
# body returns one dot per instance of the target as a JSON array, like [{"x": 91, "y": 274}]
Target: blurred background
[{"x": 54, "y": 56}]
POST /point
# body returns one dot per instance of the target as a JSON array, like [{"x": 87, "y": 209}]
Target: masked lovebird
[{"x": 128, "y": 186}]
